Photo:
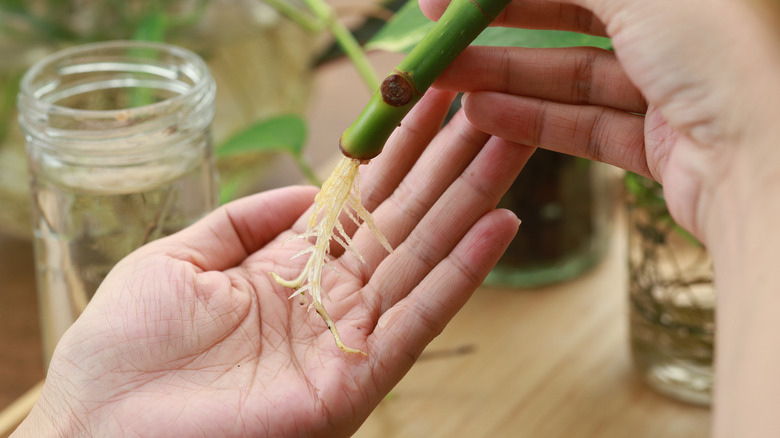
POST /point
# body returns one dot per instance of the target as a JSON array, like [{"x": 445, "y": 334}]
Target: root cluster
[{"x": 340, "y": 193}]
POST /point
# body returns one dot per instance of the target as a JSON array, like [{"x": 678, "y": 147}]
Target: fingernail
[{"x": 464, "y": 98}]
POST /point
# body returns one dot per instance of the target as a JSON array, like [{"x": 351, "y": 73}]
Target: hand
[
  {"x": 688, "y": 98},
  {"x": 190, "y": 336}
]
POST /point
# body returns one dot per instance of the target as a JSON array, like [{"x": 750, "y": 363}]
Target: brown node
[{"x": 396, "y": 90}]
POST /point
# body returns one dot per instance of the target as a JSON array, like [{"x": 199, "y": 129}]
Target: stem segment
[{"x": 460, "y": 24}]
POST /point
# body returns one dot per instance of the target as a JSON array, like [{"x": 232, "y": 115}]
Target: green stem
[
  {"x": 460, "y": 24},
  {"x": 10, "y": 88},
  {"x": 324, "y": 17},
  {"x": 346, "y": 40},
  {"x": 307, "y": 170},
  {"x": 295, "y": 14}
]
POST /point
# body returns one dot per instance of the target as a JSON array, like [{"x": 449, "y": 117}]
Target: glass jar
[
  {"x": 261, "y": 61},
  {"x": 671, "y": 298},
  {"x": 119, "y": 153},
  {"x": 566, "y": 206}
]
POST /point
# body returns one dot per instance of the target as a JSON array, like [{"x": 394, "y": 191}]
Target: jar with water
[
  {"x": 672, "y": 299},
  {"x": 119, "y": 154}
]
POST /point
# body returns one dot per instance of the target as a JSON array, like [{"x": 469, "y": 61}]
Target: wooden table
[
  {"x": 542, "y": 363},
  {"x": 21, "y": 357}
]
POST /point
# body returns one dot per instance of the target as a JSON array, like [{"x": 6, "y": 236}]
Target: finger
[
  {"x": 225, "y": 237},
  {"x": 403, "y": 149},
  {"x": 441, "y": 164},
  {"x": 593, "y": 132},
  {"x": 404, "y": 330},
  {"x": 533, "y": 14},
  {"x": 476, "y": 191},
  {"x": 578, "y": 75}
]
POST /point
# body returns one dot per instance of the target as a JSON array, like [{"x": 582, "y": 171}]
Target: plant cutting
[{"x": 460, "y": 24}]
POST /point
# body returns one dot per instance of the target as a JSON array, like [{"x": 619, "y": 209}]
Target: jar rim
[
  {"x": 57, "y": 127},
  {"x": 28, "y": 91}
]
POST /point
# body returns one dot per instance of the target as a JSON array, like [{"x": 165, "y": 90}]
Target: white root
[{"x": 340, "y": 192}]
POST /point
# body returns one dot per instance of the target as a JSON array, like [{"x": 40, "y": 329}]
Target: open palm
[{"x": 190, "y": 336}]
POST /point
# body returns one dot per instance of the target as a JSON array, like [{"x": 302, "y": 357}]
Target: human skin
[
  {"x": 190, "y": 337},
  {"x": 690, "y": 97}
]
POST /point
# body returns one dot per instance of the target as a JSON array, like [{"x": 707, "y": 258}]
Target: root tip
[
  {"x": 351, "y": 350},
  {"x": 294, "y": 284}
]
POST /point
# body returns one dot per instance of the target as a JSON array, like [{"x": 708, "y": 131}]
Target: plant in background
[
  {"x": 407, "y": 27},
  {"x": 237, "y": 55},
  {"x": 59, "y": 23},
  {"x": 287, "y": 133},
  {"x": 671, "y": 296}
]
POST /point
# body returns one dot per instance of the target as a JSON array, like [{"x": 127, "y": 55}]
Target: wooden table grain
[{"x": 21, "y": 354}]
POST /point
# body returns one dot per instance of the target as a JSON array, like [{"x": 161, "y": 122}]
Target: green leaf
[
  {"x": 409, "y": 25},
  {"x": 286, "y": 133},
  {"x": 151, "y": 27},
  {"x": 228, "y": 189},
  {"x": 687, "y": 236},
  {"x": 404, "y": 30},
  {"x": 502, "y": 36}
]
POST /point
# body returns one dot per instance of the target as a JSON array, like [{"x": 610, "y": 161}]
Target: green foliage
[
  {"x": 409, "y": 25},
  {"x": 649, "y": 196},
  {"x": 227, "y": 189},
  {"x": 63, "y": 20},
  {"x": 286, "y": 133},
  {"x": 646, "y": 193},
  {"x": 151, "y": 27},
  {"x": 9, "y": 87}
]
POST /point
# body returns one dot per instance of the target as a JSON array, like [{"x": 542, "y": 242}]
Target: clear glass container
[
  {"x": 671, "y": 299},
  {"x": 119, "y": 153},
  {"x": 566, "y": 206},
  {"x": 235, "y": 38}
]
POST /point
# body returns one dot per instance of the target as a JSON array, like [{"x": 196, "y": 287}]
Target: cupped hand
[
  {"x": 190, "y": 336},
  {"x": 688, "y": 97}
]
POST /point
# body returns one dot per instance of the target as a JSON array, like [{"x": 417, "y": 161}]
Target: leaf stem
[
  {"x": 295, "y": 14},
  {"x": 306, "y": 169},
  {"x": 325, "y": 13}
]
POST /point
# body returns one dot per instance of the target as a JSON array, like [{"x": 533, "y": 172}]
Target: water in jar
[
  {"x": 87, "y": 219},
  {"x": 672, "y": 304}
]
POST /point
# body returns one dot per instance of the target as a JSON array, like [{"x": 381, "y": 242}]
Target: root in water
[{"x": 340, "y": 192}]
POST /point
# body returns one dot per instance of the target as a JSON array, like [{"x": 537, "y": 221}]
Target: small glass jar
[
  {"x": 119, "y": 153},
  {"x": 671, "y": 298}
]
